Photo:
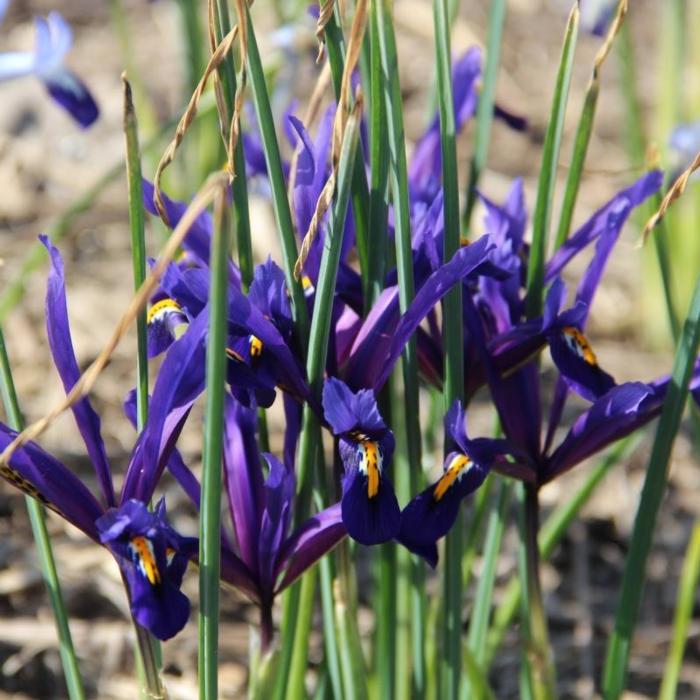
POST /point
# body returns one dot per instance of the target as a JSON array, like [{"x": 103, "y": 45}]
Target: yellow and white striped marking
[{"x": 458, "y": 466}]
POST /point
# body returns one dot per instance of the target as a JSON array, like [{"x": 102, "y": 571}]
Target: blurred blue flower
[
  {"x": 53, "y": 40},
  {"x": 596, "y": 15}
]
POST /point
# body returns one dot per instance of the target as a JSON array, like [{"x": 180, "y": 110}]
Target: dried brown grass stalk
[
  {"x": 346, "y": 106},
  {"x": 672, "y": 195},
  {"x": 613, "y": 31},
  {"x": 235, "y": 130},
  {"x": 187, "y": 118},
  {"x": 215, "y": 185},
  {"x": 324, "y": 16},
  {"x": 221, "y": 106}
]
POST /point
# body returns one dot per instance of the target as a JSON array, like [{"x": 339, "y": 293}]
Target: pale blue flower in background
[{"x": 53, "y": 40}]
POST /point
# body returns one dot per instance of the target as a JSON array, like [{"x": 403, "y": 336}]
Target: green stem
[
  {"x": 273, "y": 160},
  {"x": 617, "y": 659},
  {"x": 383, "y": 33},
  {"x": 297, "y": 635},
  {"x": 138, "y": 248},
  {"x": 335, "y": 44},
  {"x": 550, "y": 159},
  {"x": 484, "y": 113},
  {"x": 37, "y": 518},
  {"x": 537, "y": 651},
  {"x": 149, "y": 647},
  {"x": 478, "y": 625},
  {"x": 210, "y": 514},
  {"x": 454, "y": 351},
  {"x": 681, "y": 621},
  {"x": 550, "y": 535},
  {"x": 239, "y": 186}
]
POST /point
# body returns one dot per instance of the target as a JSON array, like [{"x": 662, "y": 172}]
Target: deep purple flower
[
  {"x": 431, "y": 514},
  {"x": 53, "y": 40},
  {"x": 369, "y": 507},
  {"x": 154, "y": 566},
  {"x": 268, "y": 557},
  {"x": 154, "y": 558}
]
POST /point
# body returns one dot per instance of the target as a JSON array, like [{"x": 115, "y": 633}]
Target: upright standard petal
[
  {"x": 61, "y": 345},
  {"x": 243, "y": 478},
  {"x": 276, "y": 516}
]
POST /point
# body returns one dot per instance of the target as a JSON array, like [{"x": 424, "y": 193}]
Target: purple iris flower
[
  {"x": 431, "y": 514},
  {"x": 154, "y": 558},
  {"x": 596, "y": 15},
  {"x": 616, "y": 410},
  {"x": 369, "y": 507},
  {"x": 151, "y": 555},
  {"x": 260, "y": 344},
  {"x": 267, "y": 557},
  {"x": 53, "y": 40}
]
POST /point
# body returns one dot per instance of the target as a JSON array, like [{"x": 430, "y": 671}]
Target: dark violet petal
[
  {"x": 471, "y": 260},
  {"x": 243, "y": 478},
  {"x": 426, "y": 160},
  {"x": 314, "y": 538},
  {"x": 61, "y": 345},
  {"x": 235, "y": 572},
  {"x": 556, "y": 296},
  {"x": 268, "y": 292},
  {"x": 425, "y": 520},
  {"x": 292, "y": 428},
  {"x": 306, "y": 165},
  {"x": 374, "y": 338},
  {"x": 338, "y": 405},
  {"x": 284, "y": 367},
  {"x": 176, "y": 465},
  {"x": 38, "y": 474},
  {"x": 71, "y": 93},
  {"x": 162, "y": 610},
  {"x": 154, "y": 558},
  {"x": 517, "y": 122},
  {"x": 615, "y": 415},
  {"x": 614, "y": 213},
  {"x": 369, "y": 520},
  {"x": 279, "y": 493},
  {"x": 185, "y": 477},
  {"x": 364, "y": 406},
  {"x": 180, "y": 381},
  {"x": 455, "y": 425},
  {"x": 577, "y": 364}
]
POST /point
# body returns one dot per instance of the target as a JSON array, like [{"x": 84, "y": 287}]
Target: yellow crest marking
[
  {"x": 256, "y": 346},
  {"x": 579, "y": 344},
  {"x": 371, "y": 465},
  {"x": 162, "y": 307},
  {"x": 457, "y": 467},
  {"x": 142, "y": 550}
]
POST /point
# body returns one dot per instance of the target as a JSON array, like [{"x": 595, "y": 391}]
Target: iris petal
[{"x": 369, "y": 520}]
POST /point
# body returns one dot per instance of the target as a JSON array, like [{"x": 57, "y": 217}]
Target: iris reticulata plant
[{"x": 329, "y": 376}]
